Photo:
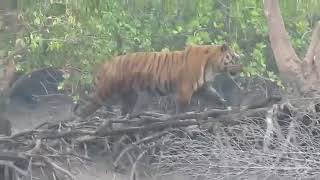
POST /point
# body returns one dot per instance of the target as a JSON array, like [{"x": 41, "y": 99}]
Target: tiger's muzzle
[{"x": 235, "y": 67}]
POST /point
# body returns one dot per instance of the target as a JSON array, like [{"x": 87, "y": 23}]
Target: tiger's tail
[
  {"x": 85, "y": 109},
  {"x": 88, "y": 109}
]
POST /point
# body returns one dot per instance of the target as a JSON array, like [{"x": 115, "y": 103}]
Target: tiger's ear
[{"x": 224, "y": 47}]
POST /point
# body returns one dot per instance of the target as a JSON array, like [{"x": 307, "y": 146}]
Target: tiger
[{"x": 182, "y": 73}]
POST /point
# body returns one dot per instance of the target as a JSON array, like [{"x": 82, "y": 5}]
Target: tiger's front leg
[
  {"x": 207, "y": 92},
  {"x": 183, "y": 99}
]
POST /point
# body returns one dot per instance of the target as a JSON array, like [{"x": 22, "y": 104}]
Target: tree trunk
[
  {"x": 8, "y": 29},
  {"x": 301, "y": 75}
]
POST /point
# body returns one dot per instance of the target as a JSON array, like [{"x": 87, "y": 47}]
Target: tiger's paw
[{"x": 223, "y": 102}]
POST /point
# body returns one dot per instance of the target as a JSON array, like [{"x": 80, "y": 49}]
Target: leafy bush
[{"x": 82, "y": 34}]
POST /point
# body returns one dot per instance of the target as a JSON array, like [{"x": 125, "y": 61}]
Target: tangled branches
[
  {"x": 56, "y": 145},
  {"x": 281, "y": 140},
  {"x": 24, "y": 151}
]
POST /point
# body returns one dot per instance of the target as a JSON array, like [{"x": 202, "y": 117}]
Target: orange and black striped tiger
[{"x": 183, "y": 73}]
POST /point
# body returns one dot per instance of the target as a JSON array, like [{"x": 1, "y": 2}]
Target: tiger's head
[
  {"x": 220, "y": 58},
  {"x": 230, "y": 61}
]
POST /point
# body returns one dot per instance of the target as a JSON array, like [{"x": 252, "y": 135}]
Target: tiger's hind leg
[
  {"x": 144, "y": 98},
  {"x": 128, "y": 102},
  {"x": 86, "y": 109},
  {"x": 134, "y": 103}
]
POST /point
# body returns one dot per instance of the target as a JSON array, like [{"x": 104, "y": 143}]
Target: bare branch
[
  {"x": 54, "y": 165},
  {"x": 315, "y": 39}
]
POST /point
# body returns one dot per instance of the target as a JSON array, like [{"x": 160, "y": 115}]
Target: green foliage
[{"x": 82, "y": 34}]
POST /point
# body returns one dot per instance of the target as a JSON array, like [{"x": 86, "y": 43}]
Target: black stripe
[
  {"x": 150, "y": 61},
  {"x": 158, "y": 63},
  {"x": 185, "y": 55},
  {"x": 162, "y": 64},
  {"x": 169, "y": 71},
  {"x": 162, "y": 69}
]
